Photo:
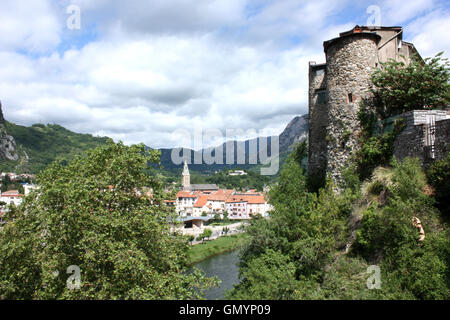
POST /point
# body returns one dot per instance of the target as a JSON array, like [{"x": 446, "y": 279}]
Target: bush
[{"x": 439, "y": 177}]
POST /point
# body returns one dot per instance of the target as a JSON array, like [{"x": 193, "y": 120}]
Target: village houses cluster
[{"x": 196, "y": 200}]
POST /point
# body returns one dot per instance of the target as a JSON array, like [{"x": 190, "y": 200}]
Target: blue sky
[{"x": 153, "y": 71}]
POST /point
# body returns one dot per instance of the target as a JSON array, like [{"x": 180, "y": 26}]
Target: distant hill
[
  {"x": 30, "y": 149},
  {"x": 39, "y": 145}
]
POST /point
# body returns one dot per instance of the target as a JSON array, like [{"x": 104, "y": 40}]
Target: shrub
[{"x": 439, "y": 177}]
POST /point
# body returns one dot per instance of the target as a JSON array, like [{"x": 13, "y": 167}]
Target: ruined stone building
[{"x": 336, "y": 89}]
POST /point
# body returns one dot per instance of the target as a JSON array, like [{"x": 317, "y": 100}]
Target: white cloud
[
  {"x": 29, "y": 25},
  {"x": 396, "y": 12},
  {"x": 429, "y": 33}
]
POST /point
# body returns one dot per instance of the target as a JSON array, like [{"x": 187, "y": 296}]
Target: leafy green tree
[
  {"x": 268, "y": 276},
  {"x": 207, "y": 233},
  {"x": 439, "y": 177},
  {"x": 92, "y": 213},
  {"x": 191, "y": 238},
  {"x": 421, "y": 84}
]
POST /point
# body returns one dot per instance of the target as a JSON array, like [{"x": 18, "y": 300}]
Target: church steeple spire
[{"x": 185, "y": 177}]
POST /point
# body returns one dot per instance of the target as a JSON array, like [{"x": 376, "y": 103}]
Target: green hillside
[{"x": 39, "y": 145}]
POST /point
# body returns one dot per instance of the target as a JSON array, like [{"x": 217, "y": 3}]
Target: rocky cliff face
[
  {"x": 296, "y": 131},
  {"x": 8, "y": 148}
]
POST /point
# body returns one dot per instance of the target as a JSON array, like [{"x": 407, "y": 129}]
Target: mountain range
[
  {"x": 295, "y": 131},
  {"x": 30, "y": 149}
]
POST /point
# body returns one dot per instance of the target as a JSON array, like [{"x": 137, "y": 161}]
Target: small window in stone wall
[
  {"x": 351, "y": 98},
  {"x": 320, "y": 72},
  {"x": 321, "y": 96}
]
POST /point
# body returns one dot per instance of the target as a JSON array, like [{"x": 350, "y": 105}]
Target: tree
[
  {"x": 421, "y": 84},
  {"x": 269, "y": 276},
  {"x": 225, "y": 216},
  {"x": 207, "y": 233},
  {"x": 92, "y": 214},
  {"x": 439, "y": 177},
  {"x": 191, "y": 238}
]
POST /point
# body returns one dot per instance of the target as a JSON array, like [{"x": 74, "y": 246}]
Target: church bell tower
[{"x": 185, "y": 177}]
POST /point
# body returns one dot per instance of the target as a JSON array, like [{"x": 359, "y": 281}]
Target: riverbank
[{"x": 211, "y": 248}]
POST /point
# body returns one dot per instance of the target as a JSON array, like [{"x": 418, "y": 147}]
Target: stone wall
[
  {"x": 318, "y": 120},
  {"x": 412, "y": 141},
  {"x": 442, "y": 142}
]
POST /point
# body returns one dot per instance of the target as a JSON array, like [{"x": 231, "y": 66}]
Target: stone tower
[
  {"x": 336, "y": 89},
  {"x": 185, "y": 177}
]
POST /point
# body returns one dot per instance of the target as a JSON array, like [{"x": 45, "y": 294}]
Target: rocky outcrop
[
  {"x": 8, "y": 148},
  {"x": 296, "y": 131}
]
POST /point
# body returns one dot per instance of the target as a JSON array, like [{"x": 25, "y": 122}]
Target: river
[{"x": 224, "y": 267}]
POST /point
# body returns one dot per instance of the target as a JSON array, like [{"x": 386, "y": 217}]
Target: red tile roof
[
  {"x": 256, "y": 199},
  {"x": 186, "y": 194},
  {"x": 250, "y": 199},
  {"x": 201, "y": 201},
  {"x": 12, "y": 193},
  {"x": 236, "y": 199},
  {"x": 220, "y": 195}
]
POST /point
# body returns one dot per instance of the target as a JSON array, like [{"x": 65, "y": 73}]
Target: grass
[{"x": 211, "y": 248}]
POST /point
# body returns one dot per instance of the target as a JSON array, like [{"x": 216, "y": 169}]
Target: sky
[{"x": 157, "y": 71}]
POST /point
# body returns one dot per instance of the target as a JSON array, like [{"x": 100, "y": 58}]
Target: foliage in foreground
[
  {"x": 94, "y": 213},
  {"x": 439, "y": 176},
  {"x": 300, "y": 238},
  {"x": 299, "y": 252}
]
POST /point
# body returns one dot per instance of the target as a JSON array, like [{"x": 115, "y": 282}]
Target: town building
[
  {"x": 28, "y": 188},
  {"x": 11, "y": 197}
]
